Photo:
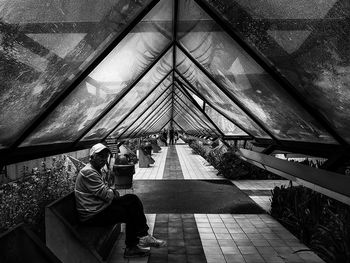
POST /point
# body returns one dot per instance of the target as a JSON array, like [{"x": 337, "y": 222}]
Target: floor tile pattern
[
  {"x": 172, "y": 168},
  {"x": 194, "y": 166},
  {"x": 259, "y": 184},
  {"x": 156, "y": 170},
  {"x": 263, "y": 201},
  {"x": 246, "y": 238},
  {"x": 118, "y": 252},
  {"x": 184, "y": 243},
  {"x": 260, "y": 190},
  {"x": 249, "y": 238}
]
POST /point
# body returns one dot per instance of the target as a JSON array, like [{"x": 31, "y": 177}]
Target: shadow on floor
[{"x": 194, "y": 196}]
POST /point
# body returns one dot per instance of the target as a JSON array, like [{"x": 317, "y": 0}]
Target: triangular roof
[{"x": 76, "y": 74}]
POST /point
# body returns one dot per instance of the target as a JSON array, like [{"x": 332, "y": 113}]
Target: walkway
[{"x": 181, "y": 211}]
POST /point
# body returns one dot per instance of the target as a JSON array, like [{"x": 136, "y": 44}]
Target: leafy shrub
[
  {"x": 320, "y": 222},
  {"x": 25, "y": 200},
  {"x": 232, "y": 167},
  {"x": 214, "y": 158},
  {"x": 199, "y": 148},
  {"x": 229, "y": 164}
]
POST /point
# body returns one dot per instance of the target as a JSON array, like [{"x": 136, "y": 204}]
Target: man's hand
[{"x": 116, "y": 194}]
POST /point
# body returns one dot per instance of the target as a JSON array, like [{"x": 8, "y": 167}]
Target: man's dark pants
[{"x": 126, "y": 209}]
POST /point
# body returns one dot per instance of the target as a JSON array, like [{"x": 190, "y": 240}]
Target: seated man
[{"x": 99, "y": 204}]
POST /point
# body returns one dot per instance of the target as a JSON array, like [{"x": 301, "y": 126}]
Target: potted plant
[{"x": 123, "y": 172}]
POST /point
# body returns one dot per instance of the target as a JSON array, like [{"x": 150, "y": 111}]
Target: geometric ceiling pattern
[{"x": 75, "y": 73}]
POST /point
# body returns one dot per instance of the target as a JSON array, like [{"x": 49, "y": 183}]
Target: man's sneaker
[
  {"x": 150, "y": 241},
  {"x": 135, "y": 252}
]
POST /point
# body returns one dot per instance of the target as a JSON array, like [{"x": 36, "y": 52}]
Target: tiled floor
[
  {"x": 194, "y": 166},
  {"x": 254, "y": 187},
  {"x": 172, "y": 168},
  {"x": 117, "y": 255},
  {"x": 156, "y": 170},
  {"x": 247, "y": 238},
  {"x": 259, "y": 184}
]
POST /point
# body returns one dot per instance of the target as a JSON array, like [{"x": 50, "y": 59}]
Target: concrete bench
[
  {"x": 155, "y": 147},
  {"x": 145, "y": 158},
  {"x": 123, "y": 175},
  {"x": 21, "y": 245},
  {"x": 71, "y": 241}
]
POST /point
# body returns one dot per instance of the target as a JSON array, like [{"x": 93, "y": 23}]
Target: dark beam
[
  {"x": 268, "y": 150},
  {"x": 40, "y": 151},
  {"x": 237, "y": 137},
  {"x": 337, "y": 161},
  {"x": 313, "y": 149},
  {"x": 184, "y": 26},
  {"x": 326, "y": 28},
  {"x": 331, "y": 184}
]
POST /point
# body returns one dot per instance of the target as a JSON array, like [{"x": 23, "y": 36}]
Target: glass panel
[
  {"x": 156, "y": 111},
  {"x": 189, "y": 89},
  {"x": 147, "y": 121},
  {"x": 196, "y": 98},
  {"x": 79, "y": 109},
  {"x": 214, "y": 95},
  {"x": 307, "y": 41},
  {"x": 161, "y": 123},
  {"x": 178, "y": 127},
  {"x": 163, "y": 118},
  {"x": 45, "y": 45},
  {"x": 132, "y": 118},
  {"x": 198, "y": 116},
  {"x": 238, "y": 73},
  {"x": 226, "y": 126},
  {"x": 187, "y": 120},
  {"x": 188, "y": 128},
  {"x": 150, "y": 113},
  {"x": 186, "y": 110},
  {"x": 137, "y": 112},
  {"x": 149, "y": 81},
  {"x": 156, "y": 119},
  {"x": 190, "y": 112}
]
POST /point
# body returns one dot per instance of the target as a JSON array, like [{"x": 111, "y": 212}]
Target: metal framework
[
  {"x": 205, "y": 100},
  {"x": 271, "y": 69},
  {"x": 69, "y": 88},
  {"x": 197, "y": 118},
  {"x": 173, "y": 102}
]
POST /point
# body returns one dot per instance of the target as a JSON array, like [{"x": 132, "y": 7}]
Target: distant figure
[
  {"x": 100, "y": 204},
  {"x": 176, "y": 136},
  {"x": 165, "y": 137},
  {"x": 171, "y": 136}
]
